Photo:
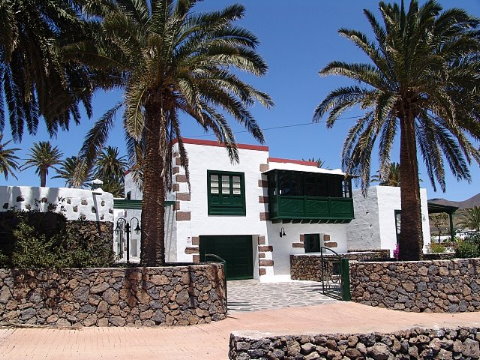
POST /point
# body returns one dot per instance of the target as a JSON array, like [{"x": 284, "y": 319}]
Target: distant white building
[
  {"x": 377, "y": 219},
  {"x": 257, "y": 213}
]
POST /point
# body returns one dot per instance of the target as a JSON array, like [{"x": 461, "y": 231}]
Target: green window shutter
[
  {"x": 312, "y": 243},
  {"x": 226, "y": 193}
]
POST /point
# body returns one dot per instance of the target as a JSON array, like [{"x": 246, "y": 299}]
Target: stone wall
[
  {"x": 308, "y": 266},
  {"x": 440, "y": 256},
  {"x": 462, "y": 343},
  {"x": 174, "y": 295},
  {"x": 418, "y": 286}
]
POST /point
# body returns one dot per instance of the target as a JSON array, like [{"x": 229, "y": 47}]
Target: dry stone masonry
[
  {"x": 418, "y": 286},
  {"x": 462, "y": 343},
  {"x": 175, "y": 295},
  {"x": 308, "y": 266}
]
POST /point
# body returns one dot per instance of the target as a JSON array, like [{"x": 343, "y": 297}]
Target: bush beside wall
[
  {"x": 47, "y": 240},
  {"x": 176, "y": 295}
]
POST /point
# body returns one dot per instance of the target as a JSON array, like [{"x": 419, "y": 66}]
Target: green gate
[
  {"x": 335, "y": 275},
  {"x": 236, "y": 250}
]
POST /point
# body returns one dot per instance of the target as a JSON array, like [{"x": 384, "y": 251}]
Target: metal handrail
[
  {"x": 326, "y": 248},
  {"x": 324, "y": 264},
  {"x": 216, "y": 257},
  {"x": 224, "y": 262}
]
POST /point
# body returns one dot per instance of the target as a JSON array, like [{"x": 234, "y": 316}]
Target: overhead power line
[{"x": 283, "y": 126}]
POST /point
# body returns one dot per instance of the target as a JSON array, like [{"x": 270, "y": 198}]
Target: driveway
[
  {"x": 252, "y": 295},
  {"x": 210, "y": 341}
]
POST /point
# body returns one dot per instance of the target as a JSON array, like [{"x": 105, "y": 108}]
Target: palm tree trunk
[
  {"x": 152, "y": 240},
  {"x": 43, "y": 178},
  {"x": 411, "y": 239}
]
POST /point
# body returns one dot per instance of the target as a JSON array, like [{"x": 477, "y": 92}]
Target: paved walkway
[
  {"x": 211, "y": 341},
  {"x": 251, "y": 295}
]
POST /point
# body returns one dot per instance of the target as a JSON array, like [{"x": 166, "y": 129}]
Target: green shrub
[
  {"x": 467, "y": 249},
  {"x": 3, "y": 259},
  {"x": 437, "y": 248},
  {"x": 474, "y": 238},
  {"x": 32, "y": 250},
  {"x": 47, "y": 240}
]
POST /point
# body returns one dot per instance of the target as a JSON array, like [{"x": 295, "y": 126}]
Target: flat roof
[
  {"x": 302, "y": 168},
  {"x": 220, "y": 144},
  {"x": 434, "y": 208}
]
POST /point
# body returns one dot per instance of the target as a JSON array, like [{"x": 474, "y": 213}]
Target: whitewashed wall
[
  {"x": 363, "y": 231},
  {"x": 132, "y": 188},
  {"x": 374, "y": 223},
  {"x": 120, "y": 242},
  {"x": 201, "y": 159},
  {"x": 75, "y": 204},
  {"x": 282, "y": 246}
]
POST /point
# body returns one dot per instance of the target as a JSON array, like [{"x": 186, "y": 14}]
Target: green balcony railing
[{"x": 311, "y": 208}]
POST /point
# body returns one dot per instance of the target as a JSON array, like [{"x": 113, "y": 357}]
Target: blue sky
[{"x": 297, "y": 39}]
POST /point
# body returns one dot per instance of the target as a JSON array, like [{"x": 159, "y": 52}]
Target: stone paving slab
[
  {"x": 252, "y": 295},
  {"x": 210, "y": 341}
]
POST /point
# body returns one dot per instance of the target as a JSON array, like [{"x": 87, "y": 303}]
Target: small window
[
  {"x": 226, "y": 193},
  {"x": 312, "y": 243}
]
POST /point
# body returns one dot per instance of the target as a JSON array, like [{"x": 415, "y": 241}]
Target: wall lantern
[{"x": 282, "y": 232}]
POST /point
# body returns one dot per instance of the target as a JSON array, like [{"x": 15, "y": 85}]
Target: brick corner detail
[
  {"x": 183, "y": 215},
  {"x": 331, "y": 244},
  {"x": 264, "y": 262}
]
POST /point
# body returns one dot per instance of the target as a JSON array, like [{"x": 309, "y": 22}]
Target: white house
[
  {"x": 253, "y": 214},
  {"x": 377, "y": 219}
]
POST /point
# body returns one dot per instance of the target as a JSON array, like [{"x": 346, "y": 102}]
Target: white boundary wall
[{"x": 75, "y": 204}]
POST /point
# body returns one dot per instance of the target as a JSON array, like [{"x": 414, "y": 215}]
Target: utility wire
[{"x": 282, "y": 126}]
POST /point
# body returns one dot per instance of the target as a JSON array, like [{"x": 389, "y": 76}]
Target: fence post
[{"x": 345, "y": 271}]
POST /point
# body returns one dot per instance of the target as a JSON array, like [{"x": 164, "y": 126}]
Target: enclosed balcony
[{"x": 309, "y": 197}]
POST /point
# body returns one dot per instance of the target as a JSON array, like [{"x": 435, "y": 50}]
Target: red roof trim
[
  {"x": 288, "y": 161},
  {"x": 219, "y": 144}
]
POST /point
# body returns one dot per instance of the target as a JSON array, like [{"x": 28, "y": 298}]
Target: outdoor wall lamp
[
  {"x": 282, "y": 232},
  {"x": 122, "y": 224}
]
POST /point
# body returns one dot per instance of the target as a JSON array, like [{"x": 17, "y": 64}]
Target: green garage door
[{"x": 235, "y": 250}]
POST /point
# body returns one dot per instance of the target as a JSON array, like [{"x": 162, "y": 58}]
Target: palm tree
[
  {"x": 38, "y": 75},
  {"x": 110, "y": 168},
  {"x": 174, "y": 62},
  {"x": 74, "y": 171},
  {"x": 422, "y": 79},
  {"x": 391, "y": 178},
  {"x": 471, "y": 219},
  {"x": 43, "y": 157},
  {"x": 8, "y": 159},
  {"x": 109, "y": 164},
  {"x": 320, "y": 163}
]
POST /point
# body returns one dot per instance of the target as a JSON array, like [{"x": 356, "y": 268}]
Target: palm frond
[{"x": 97, "y": 137}]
